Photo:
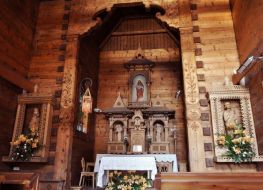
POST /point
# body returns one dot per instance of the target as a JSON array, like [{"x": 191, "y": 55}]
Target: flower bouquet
[
  {"x": 238, "y": 144},
  {"x": 129, "y": 181},
  {"x": 25, "y": 145}
]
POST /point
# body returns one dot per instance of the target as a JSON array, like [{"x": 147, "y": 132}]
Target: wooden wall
[
  {"x": 83, "y": 144},
  {"x": 8, "y": 105},
  {"x": 17, "y": 23},
  {"x": 46, "y": 70},
  {"x": 17, "y": 29},
  {"x": 247, "y": 16},
  {"x": 216, "y": 57}
]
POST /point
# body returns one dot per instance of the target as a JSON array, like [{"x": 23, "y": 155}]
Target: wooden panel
[
  {"x": 17, "y": 23},
  {"x": 247, "y": 16},
  {"x": 8, "y": 104},
  {"x": 209, "y": 181},
  {"x": 143, "y": 31}
]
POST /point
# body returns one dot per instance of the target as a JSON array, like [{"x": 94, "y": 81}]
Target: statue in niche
[
  {"x": 229, "y": 116},
  {"x": 34, "y": 122},
  {"x": 159, "y": 129},
  {"x": 139, "y": 91},
  {"x": 137, "y": 122},
  {"x": 118, "y": 130}
]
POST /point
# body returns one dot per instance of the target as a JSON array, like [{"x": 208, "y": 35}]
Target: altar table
[
  {"x": 146, "y": 163},
  {"x": 158, "y": 157},
  {"x": 142, "y": 162}
]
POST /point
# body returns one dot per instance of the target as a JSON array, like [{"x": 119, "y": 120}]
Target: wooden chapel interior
[{"x": 58, "y": 43}]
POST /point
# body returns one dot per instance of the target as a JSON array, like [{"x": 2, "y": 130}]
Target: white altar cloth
[
  {"x": 142, "y": 163},
  {"x": 158, "y": 157}
]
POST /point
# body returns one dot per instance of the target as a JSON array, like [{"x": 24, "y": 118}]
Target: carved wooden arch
[
  {"x": 118, "y": 122},
  {"x": 84, "y": 7},
  {"x": 167, "y": 11}
]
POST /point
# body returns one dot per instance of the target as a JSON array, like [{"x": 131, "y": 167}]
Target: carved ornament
[{"x": 220, "y": 94}]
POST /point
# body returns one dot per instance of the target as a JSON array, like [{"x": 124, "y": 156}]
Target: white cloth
[
  {"x": 158, "y": 157},
  {"x": 142, "y": 163}
]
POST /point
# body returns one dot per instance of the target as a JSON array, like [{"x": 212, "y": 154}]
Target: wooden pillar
[
  {"x": 194, "y": 128},
  {"x": 65, "y": 130},
  {"x": 166, "y": 128}
]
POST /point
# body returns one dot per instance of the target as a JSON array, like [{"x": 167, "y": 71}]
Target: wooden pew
[
  {"x": 209, "y": 181},
  {"x": 29, "y": 180}
]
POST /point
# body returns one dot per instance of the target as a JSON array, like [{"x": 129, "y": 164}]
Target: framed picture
[{"x": 139, "y": 89}]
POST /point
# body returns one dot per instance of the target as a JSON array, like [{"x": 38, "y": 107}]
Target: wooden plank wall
[
  {"x": 17, "y": 28},
  {"x": 46, "y": 70},
  {"x": 216, "y": 57},
  {"x": 8, "y": 104},
  {"x": 17, "y": 23},
  {"x": 83, "y": 144},
  {"x": 247, "y": 16}
]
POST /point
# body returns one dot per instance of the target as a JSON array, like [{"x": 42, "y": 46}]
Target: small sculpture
[
  {"x": 137, "y": 122},
  {"x": 118, "y": 130},
  {"x": 34, "y": 122},
  {"x": 229, "y": 116},
  {"x": 158, "y": 132}
]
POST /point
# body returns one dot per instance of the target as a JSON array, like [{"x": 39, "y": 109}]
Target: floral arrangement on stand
[
  {"x": 238, "y": 144},
  {"x": 25, "y": 145},
  {"x": 128, "y": 181}
]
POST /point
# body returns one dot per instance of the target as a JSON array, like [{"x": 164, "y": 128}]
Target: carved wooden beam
[
  {"x": 16, "y": 78},
  {"x": 237, "y": 77}
]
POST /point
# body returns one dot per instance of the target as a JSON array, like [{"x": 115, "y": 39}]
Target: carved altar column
[
  {"x": 65, "y": 129},
  {"x": 166, "y": 128},
  {"x": 194, "y": 128}
]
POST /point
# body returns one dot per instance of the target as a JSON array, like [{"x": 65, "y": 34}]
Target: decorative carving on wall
[
  {"x": 191, "y": 83},
  {"x": 194, "y": 125},
  {"x": 143, "y": 130},
  {"x": 171, "y": 13},
  {"x": 230, "y": 104},
  {"x": 85, "y": 9}
]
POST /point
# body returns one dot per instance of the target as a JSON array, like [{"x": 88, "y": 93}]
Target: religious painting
[{"x": 139, "y": 89}]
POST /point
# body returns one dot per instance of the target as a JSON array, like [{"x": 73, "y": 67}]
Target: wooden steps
[{"x": 209, "y": 181}]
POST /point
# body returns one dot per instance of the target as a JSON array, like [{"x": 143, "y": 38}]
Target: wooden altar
[
  {"x": 140, "y": 130},
  {"x": 143, "y": 125}
]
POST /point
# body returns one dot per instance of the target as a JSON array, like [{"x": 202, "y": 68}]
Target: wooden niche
[
  {"x": 34, "y": 108},
  {"x": 231, "y": 103}
]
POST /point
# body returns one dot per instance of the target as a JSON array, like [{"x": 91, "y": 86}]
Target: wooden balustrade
[{"x": 209, "y": 181}]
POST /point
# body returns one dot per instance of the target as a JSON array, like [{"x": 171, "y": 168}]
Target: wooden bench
[
  {"x": 209, "y": 181},
  {"x": 28, "y": 180}
]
